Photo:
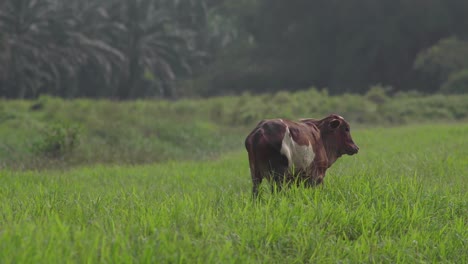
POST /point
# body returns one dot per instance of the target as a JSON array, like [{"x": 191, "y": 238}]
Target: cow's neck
[
  {"x": 331, "y": 153},
  {"x": 330, "y": 147}
]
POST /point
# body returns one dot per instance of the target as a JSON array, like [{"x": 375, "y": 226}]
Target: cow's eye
[{"x": 347, "y": 129}]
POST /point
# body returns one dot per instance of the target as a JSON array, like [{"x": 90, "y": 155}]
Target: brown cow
[{"x": 285, "y": 151}]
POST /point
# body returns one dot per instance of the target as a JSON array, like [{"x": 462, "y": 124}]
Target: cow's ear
[{"x": 335, "y": 123}]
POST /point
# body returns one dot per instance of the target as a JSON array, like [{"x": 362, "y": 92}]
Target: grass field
[{"x": 402, "y": 199}]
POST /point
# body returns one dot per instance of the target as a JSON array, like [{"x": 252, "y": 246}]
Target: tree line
[
  {"x": 97, "y": 48},
  {"x": 347, "y": 46},
  {"x": 169, "y": 48}
]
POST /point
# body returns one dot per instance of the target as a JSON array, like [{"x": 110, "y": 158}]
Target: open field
[{"x": 402, "y": 199}]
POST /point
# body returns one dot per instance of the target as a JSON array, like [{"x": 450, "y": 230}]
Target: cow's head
[{"x": 337, "y": 136}]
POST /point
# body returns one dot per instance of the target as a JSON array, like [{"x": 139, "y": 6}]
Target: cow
[{"x": 285, "y": 151}]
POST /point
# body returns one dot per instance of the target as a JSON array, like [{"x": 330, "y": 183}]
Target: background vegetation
[
  {"x": 165, "y": 48},
  {"x": 52, "y": 132}
]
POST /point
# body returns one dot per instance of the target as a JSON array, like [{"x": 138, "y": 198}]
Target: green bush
[
  {"x": 58, "y": 140},
  {"x": 457, "y": 83},
  {"x": 76, "y": 132},
  {"x": 377, "y": 94}
]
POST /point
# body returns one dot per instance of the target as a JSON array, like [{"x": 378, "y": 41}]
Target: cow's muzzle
[{"x": 352, "y": 149}]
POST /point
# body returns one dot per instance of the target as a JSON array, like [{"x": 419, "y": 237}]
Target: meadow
[{"x": 402, "y": 199}]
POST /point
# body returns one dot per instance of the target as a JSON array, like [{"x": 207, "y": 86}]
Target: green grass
[{"x": 402, "y": 199}]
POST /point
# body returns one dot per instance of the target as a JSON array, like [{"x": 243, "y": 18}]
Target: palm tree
[
  {"x": 91, "y": 32},
  {"x": 3, "y": 60},
  {"x": 47, "y": 45},
  {"x": 22, "y": 23},
  {"x": 123, "y": 48},
  {"x": 155, "y": 47}
]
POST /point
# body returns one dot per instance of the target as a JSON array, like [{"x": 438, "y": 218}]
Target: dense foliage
[
  {"x": 54, "y": 132},
  {"x": 345, "y": 46},
  {"x": 96, "y": 48},
  {"x": 166, "y": 48}
]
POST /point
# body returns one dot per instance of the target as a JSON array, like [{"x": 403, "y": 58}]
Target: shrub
[
  {"x": 457, "y": 83},
  {"x": 157, "y": 130},
  {"x": 58, "y": 140},
  {"x": 377, "y": 94},
  {"x": 216, "y": 111}
]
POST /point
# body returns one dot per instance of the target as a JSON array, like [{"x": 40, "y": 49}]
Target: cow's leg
[
  {"x": 300, "y": 179},
  {"x": 256, "y": 175},
  {"x": 279, "y": 177},
  {"x": 316, "y": 177},
  {"x": 314, "y": 181},
  {"x": 256, "y": 181},
  {"x": 317, "y": 181},
  {"x": 276, "y": 186},
  {"x": 279, "y": 171},
  {"x": 255, "y": 169}
]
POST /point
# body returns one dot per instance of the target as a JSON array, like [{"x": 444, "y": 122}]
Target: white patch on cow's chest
[{"x": 298, "y": 156}]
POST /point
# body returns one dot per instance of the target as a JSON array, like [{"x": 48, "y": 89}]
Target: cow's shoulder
[
  {"x": 310, "y": 122},
  {"x": 301, "y": 133}
]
